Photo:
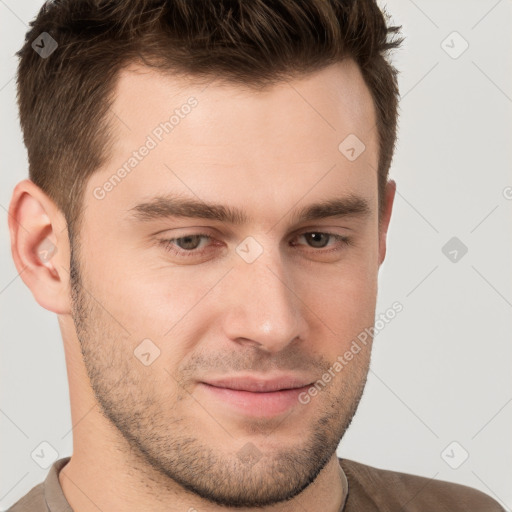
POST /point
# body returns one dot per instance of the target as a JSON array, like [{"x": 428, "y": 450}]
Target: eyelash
[{"x": 170, "y": 247}]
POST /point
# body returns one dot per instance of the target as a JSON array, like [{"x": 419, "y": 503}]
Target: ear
[
  {"x": 386, "y": 216},
  {"x": 40, "y": 246}
]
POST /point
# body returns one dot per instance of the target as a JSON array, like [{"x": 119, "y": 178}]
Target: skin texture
[{"x": 150, "y": 437}]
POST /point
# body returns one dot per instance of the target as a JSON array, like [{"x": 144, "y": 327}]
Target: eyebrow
[{"x": 167, "y": 206}]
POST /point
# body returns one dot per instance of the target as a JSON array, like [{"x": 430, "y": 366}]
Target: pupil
[
  {"x": 316, "y": 235},
  {"x": 186, "y": 242}
]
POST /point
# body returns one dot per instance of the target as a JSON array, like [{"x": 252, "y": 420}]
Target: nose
[{"x": 262, "y": 308}]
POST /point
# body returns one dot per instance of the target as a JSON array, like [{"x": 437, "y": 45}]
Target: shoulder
[
  {"x": 46, "y": 495},
  {"x": 33, "y": 501},
  {"x": 372, "y": 488}
]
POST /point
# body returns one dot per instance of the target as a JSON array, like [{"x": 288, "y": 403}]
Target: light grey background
[{"x": 441, "y": 370}]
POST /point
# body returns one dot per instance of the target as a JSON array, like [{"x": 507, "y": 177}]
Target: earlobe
[
  {"x": 386, "y": 217},
  {"x": 39, "y": 246}
]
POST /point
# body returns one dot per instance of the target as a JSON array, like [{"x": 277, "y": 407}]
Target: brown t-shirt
[{"x": 370, "y": 489}]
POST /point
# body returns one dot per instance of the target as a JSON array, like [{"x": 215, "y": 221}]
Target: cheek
[
  {"x": 343, "y": 300},
  {"x": 350, "y": 283},
  {"x": 155, "y": 300}
]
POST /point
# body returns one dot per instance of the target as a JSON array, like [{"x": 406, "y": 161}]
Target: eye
[
  {"x": 184, "y": 245},
  {"x": 189, "y": 245},
  {"x": 320, "y": 239}
]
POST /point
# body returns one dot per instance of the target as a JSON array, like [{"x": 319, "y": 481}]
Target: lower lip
[{"x": 259, "y": 405}]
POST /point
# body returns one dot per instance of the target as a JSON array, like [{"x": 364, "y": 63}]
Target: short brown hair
[{"x": 64, "y": 98}]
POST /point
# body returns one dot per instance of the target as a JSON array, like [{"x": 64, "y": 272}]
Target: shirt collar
[{"x": 53, "y": 494}]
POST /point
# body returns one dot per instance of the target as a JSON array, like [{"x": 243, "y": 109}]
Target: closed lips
[{"x": 259, "y": 386}]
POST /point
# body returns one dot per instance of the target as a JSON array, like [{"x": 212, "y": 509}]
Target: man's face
[{"x": 270, "y": 296}]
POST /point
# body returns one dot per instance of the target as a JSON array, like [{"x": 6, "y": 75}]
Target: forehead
[
  {"x": 263, "y": 150},
  {"x": 336, "y": 96}
]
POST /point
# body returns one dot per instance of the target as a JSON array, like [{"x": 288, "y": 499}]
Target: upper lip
[{"x": 251, "y": 383}]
